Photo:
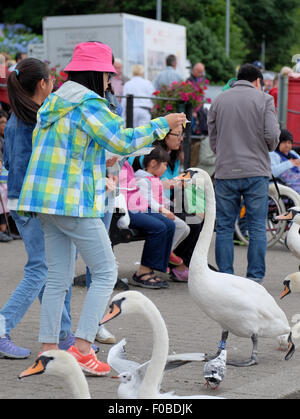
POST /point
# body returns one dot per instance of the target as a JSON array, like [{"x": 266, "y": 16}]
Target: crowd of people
[{"x": 59, "y": 179}]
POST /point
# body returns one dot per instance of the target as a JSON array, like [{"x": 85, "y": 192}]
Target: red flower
[
  {"x": 187, "y": 92},
  {"x": 169, "y": 107}
]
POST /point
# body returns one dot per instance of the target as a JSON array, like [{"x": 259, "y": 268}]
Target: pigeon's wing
[
  {"x": 117, "y": 358},
  {"x": 216, "y": 367},
  {"x": 177, "y": 360}
]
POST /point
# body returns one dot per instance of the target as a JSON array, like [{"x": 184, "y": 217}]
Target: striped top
[
  {"x": 3, "y": 175},
  {"x": 67, "y": 169}
]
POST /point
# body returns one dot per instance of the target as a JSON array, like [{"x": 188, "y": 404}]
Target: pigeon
[{"x": 215, "y": 369}]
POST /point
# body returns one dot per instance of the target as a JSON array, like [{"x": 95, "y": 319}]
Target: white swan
[
  {"x": 240, "y": 305},
  {"x": 291, "y": 284},
  {"x": 61, "y": 364},
  {"x": 293, "y": 235},
  {"x": 128, "y": 302},
  {"x": 131, "y": 373}
]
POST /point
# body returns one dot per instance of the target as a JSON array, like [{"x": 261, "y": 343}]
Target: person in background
[
  {"x": 259, "y": 65},
  {"x": 285, "y": 162},
  {"x": 18, "y": 57},
  {"x": 4, "y": 73},
  {"x": 274, "y": 91},
  {"x": 197, "y": 73},
  {"x": 117, "y": 82},
  {"x": 243, "y": 129},
  {"x": 139, "y": 86},
  {"x": 4, "y": 212},
  {"x": 168, "y": 75},
  {"x": 268, "y": 82},
  {"x": 28, "y": 86},
  {"x": 65, "y": 186},
  {"x": 285, "y": 71}
]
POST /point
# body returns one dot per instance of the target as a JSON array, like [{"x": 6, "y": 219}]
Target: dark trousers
[
  {"x": 159, "y": 232},
  {"x": 186, "y": 247}
]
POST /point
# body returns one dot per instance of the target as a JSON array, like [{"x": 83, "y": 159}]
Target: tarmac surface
[{"x": 190, "y": 330}]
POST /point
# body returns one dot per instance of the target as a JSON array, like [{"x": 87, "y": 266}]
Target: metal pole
[
  {"x": 227, "y": 27},
  {"x": 263, "y": 50},
  {"x": 283, "y": 83},
  {"x": 158, "y": 9},
  {"x": 187, "y": 137},
  {"x": 129, "y": 111}
]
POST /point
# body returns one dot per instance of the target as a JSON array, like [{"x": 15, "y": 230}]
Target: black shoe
[
  {"x": 4, "y": 237},
  {"x": 13, "y": 236},
  {"x": 121, "y": 285}
]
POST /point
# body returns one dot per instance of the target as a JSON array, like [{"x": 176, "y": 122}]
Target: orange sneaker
[
  {"x": 175, "y": 260},
  {"x": 89, "y": 363}
]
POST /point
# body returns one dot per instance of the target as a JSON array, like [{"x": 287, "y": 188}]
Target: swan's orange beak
[
  {"x": 114, "y": 312},
  {"x": 184, "y": 176},
  {"x": 37, "y": 368},
  {"x": 285, "y": 292},
  {"x": 287, "y": 289}
]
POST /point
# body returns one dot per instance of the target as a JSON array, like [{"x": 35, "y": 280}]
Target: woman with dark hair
[
  {"x": 285, "y": 162},
  {"x": 150, "y": 185},
  {"x": 28, "y": 86},
  {"x": 172, "y": 144},
  {"x": 65, "y": 186}
]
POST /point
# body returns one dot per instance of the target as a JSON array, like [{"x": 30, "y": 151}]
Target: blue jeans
[
  {"x": 110, "y": 199},
  {"x": 35, "y": 275},
  {"x": 159, "y": 232},
  {"x": 228, "y": 194},
  {"x": 62, "y": 236}
]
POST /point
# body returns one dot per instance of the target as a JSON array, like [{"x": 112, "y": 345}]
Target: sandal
[
  {"x": 162, "y": 283},
  {"x": 146, "y": 283}
]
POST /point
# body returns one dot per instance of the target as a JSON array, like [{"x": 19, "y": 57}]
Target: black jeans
[{"x": 186, "y": 247}]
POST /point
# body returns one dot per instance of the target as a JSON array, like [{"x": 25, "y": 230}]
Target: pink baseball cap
[{"x": 91, "y": 56}]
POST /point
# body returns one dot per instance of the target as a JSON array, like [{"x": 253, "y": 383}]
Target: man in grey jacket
[{"x": 243, "y": 128}]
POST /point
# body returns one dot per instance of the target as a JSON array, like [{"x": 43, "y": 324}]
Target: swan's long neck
[
  {"x": 152, "y": 379},
  {"x": 78, "y": 384},
  {"x": 200, "y": 253}
]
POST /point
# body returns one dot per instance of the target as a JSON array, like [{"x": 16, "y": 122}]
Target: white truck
[{"x": 133, "y": 39}]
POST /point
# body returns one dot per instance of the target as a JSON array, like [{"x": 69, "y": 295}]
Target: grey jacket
[{"x": 243, "y": 128}]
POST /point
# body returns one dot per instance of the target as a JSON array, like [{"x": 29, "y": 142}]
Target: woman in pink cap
[{"x": 65, "y": 187}]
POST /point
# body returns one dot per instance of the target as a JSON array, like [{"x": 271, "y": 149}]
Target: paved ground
[{"x": 189, "y": 331}]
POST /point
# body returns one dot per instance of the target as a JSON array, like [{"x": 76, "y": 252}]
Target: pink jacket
[{"x": 134, "y": 199}]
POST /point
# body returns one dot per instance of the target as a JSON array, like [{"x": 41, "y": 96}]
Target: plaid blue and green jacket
[{"x": 66, "y": 172}]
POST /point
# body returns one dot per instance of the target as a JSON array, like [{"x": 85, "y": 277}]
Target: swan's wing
[
  {"x": 177, "y": 360},
  {"x": 117, "y": 358},
  {"x": 174, "y": 361}
]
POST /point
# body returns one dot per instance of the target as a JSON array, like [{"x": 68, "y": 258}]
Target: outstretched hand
[{"x": 176, "y": 120}]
